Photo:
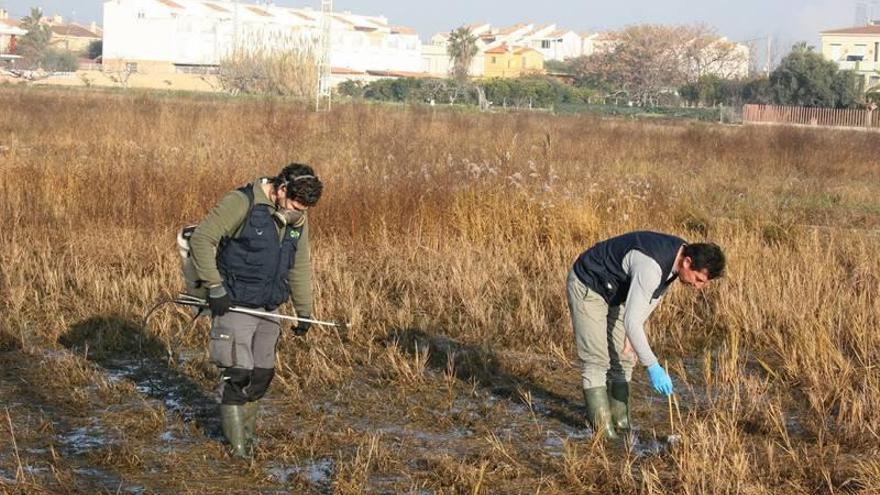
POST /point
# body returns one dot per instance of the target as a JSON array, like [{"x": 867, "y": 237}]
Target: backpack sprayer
[{"x": 196, "y": 294}]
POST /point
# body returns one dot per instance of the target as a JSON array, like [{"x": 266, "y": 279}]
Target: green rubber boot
[
  {"x": 598, "y": 412},
  {"x": 618, "y": 398},
  {"x": 251, "y": 411},
  {"x": 232, "y": 421}
]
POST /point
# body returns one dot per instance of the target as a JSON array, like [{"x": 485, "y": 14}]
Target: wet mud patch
[{"x": 430, "y": 415}]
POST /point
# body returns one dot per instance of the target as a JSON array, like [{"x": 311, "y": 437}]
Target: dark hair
[
  {"x": 301, "y": 182},
  {"x": 706, "y": 256}
]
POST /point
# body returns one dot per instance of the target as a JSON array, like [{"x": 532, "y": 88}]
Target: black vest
[
  {"x": 600, "y": 268},
  {"x": 255, "y": 263}
]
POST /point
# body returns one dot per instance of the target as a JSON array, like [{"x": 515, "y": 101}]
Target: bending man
[{"x": 612, "y": 289}]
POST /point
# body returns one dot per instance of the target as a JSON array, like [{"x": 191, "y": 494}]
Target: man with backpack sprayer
[
  {"x": 612, "y": 289},
  {"x": 252, "y": 251}
]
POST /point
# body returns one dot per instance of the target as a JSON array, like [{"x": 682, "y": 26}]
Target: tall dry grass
[{"x": 463, "y": 226}]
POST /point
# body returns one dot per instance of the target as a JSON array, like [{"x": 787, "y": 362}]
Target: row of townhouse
[
  {"x": 857, "y": 49},
  {"x": 186, "y": 36},
  {"x": 189, "y": 35},
  {"x": 166, "y": 36}
]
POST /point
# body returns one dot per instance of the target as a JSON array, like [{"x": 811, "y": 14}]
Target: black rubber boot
[
  {"x": 251, "y": 411},
  {"x": 232, "y": 421},
  {"x": 598, "y": 412},
  {"x": 618, "y": 399}
]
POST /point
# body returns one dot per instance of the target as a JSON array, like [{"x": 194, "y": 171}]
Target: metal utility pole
[{"x": 323, "y": 97}]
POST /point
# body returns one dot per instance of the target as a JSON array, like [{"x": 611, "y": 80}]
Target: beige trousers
[{"x": 599, "y": 336}]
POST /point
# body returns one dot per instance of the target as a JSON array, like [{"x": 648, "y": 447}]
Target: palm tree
[
  {"x": 33, "y": 45},
  {"x": 461, "y": 47}
]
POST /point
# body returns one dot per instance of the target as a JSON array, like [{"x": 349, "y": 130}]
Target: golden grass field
[{"x": 445, "y": 238}]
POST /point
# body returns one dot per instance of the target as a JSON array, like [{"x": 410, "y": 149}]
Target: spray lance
[{"x": 197, "y": 302}]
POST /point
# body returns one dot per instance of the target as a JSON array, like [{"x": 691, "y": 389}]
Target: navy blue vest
[
  {"x": 600, "y": 268},
  {"x": 255, "y": 263}
]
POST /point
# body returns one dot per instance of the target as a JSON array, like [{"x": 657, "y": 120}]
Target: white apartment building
[{"x": 163, "y": 36}]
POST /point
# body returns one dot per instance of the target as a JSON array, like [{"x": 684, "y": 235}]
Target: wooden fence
[{"x": 829, "y": 117}]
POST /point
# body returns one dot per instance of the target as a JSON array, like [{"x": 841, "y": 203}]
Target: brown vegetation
[{"x": 445, "y": 238}]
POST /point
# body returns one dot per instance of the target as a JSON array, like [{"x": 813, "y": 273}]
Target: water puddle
[
  {"x": 318, "y": 473},
  {"x": 84, "y": 439}
]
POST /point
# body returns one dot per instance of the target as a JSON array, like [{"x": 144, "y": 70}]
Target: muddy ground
[{"x": 134, "y": 420}]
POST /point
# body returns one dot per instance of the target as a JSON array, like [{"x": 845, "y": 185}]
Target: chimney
[
  {"x": 4, "y": 14},
  {"x": 874, "y": 22},
  {"x": 93, "y": 27},
  {"x": 57, "y": 19}
]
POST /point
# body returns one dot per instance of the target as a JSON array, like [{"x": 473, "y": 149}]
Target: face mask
[
  {"x": 294, "y": 218},
  {"x": 286, "y": 217}
]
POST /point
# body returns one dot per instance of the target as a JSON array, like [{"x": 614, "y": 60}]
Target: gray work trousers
[
  {"x": 599, "y": 336},
  {"x": 244, "y": 341}
]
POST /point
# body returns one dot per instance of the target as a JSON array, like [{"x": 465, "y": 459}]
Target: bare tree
[
  {"x": 704, "y": 52},
  {"x": 282, "y": 66},
  {"x": 646, "y": 61}
]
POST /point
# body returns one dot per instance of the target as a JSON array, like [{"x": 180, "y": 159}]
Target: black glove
[
  {"x": 218, "y": 301},
  {"x": 302, "y": 327}
]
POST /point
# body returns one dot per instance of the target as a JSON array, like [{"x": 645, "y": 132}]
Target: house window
[
  {"x": 524, "y": 63},
  {"x": 876, "y": 50},
  {"x": 131, "y": 67},
  {"x": 141, "y": 14},
  {"x": 835, "y": 51},
  {"x": 494, "y": 60},
  {"x": 545, "y": 44}
]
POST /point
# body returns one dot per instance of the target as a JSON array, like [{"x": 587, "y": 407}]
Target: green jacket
[{"x": 224, "y": 220}]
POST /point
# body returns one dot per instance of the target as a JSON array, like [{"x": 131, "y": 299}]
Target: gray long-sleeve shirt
[{"x": 646, "y": 276}]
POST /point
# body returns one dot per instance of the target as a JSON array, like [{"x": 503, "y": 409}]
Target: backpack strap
[{"x": 248, "y": 191}]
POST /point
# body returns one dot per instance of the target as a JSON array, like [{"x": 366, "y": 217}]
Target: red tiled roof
[
  {"x": 215, "y": 7},
  {"x": 10, "y": 22},
  {"x": 402, "y": 30},
  {"x": 523, "y": 49},
  {"x": 345, "y": 71},
  {"x": 874, "y": 30},
  {"x": 342, "y": 19},
  {"x": 259, "y": 11},
  {"x": 557, "y": 33},
  {"x": 73, "y": 31},
  {"x": 300, "y": 14},
  {"x": 169, "y": 3},
  {"x": 498, "y": 49},
  {"x": 367, "y": 29},
  {"x": 397, "y": 73}
]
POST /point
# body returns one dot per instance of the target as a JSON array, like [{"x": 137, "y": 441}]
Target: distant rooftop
[{"x": 873, "y": 29}]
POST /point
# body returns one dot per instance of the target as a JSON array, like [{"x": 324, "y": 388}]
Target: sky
[{"x": 787, "y": 21}]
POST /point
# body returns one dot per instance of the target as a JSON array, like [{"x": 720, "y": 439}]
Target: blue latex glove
[{"x": 660, "y": 379}]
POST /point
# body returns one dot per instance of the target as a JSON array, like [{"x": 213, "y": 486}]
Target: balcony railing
[{"x": 863, "y": 66}]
